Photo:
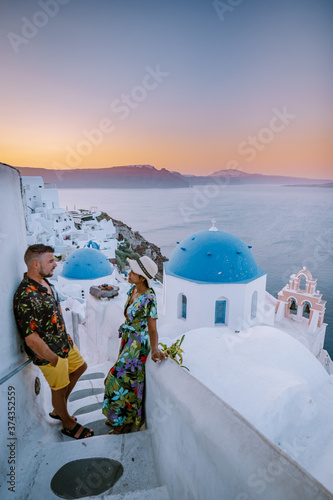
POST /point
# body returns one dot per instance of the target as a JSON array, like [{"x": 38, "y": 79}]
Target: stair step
[
  {"x": 92, "y": 376},
  {"x": 159, "y": 493},
  {"x": 88, "y": 409},
  {"x": 84, "y": 393}
]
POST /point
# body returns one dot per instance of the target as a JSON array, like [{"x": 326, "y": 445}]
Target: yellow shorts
[{"x": 58, "y": 376}]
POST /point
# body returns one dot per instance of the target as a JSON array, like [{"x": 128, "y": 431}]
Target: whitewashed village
[{"x": 250, "y": 418}]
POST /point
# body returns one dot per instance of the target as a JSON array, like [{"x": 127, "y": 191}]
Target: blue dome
[
  {"x": 213, "y": 257},
  {"x": 86, "y": 264}
]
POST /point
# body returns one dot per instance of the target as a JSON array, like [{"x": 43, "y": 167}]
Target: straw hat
[{"x": 144, "y": 266}]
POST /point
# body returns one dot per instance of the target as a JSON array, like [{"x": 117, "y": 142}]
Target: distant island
[
  {"x": 325, "y": 185},
  {"x": 233, "y": 176},
  {"x": 131, "y": 176},
  {"x": 147, "y": 176}
]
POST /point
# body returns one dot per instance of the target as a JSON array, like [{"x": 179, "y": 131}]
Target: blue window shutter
[
  {"x": 220, "y": 309},
  {"x": 184, "y": 306}
]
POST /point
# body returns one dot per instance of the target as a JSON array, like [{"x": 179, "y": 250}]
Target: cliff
[
  {"x": 138, "y": 244},
  {"x": 147, "y": 176},
  {"x": 129, "y": 176}
]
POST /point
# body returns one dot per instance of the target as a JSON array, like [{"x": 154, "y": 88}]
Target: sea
[{"x": 288, "y": 227}]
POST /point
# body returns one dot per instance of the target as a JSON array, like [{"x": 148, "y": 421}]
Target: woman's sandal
[
  {"x": 73, "y": 433},
  {"x": 122, "y": 429}
]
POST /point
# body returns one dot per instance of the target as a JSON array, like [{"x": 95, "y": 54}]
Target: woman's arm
[{"x": 156, "y": 354}]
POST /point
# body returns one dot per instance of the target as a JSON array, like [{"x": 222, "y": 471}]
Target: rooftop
[{"x": 213, "y": 256}]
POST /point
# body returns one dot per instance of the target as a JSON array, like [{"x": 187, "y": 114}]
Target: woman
[{"x": 124, "y": 384}]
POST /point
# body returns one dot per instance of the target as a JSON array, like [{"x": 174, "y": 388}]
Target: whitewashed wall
[
  {"x": 12, "y": 248},
  {"x": 203, "y": 449},
  {"x": 33, "y": 187},
  {"x": 99, "y": 341},
  {"x": 20, "y": 389},
  {"x": 79, "y": 289},
  {"x": 201, "y": 300}
]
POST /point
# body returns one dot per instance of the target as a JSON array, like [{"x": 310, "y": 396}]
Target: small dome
[
  {"x": 86, "y": 264},
  {"x": 213, "y": 257}
]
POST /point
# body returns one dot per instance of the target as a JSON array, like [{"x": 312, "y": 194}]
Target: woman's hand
[{"x": 157, "y": 356}]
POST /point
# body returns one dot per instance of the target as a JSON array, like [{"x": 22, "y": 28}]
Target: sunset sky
[{"x": 189, "y": 85}]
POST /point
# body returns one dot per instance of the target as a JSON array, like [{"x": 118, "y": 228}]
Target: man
[{"x": 39, "y": 320}]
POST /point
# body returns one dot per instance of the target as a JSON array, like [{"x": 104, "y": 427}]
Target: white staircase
[{"x": 133, "y": 451}]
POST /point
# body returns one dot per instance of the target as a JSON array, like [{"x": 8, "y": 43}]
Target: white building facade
[{"x": 212, "y": 279}]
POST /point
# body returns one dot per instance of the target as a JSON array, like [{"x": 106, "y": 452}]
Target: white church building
[{"x": 212, "y": 279}]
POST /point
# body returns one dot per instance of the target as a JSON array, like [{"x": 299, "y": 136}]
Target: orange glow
[{"x": 287, "y": 154}]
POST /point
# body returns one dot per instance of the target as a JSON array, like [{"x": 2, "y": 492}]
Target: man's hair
[{"x": 33, "y": 252}]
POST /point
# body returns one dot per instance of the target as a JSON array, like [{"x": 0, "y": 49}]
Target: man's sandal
[
  {"x": 74, "y": 433},
  {"x": 56, "y": 417}
]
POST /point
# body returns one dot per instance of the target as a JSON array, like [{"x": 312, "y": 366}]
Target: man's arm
[
  {"x": 27, "y": 320},
  {"x": 39, "y": 347}
]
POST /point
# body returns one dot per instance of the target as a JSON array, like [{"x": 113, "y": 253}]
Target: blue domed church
[
  {"x": 86, "y": 264},
  {"x": 212, "y": 279},
  {"x": 83, "y": 268}
]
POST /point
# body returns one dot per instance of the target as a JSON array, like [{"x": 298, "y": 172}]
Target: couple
[{"x": 39, "y": 320}]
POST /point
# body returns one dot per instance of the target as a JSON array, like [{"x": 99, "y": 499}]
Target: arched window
[
  {"x": 293, "y": 306},
  {"x": 254, "y": 305},
  {"x": 182, "y": 306},
  {"x": 302, "y": 282},
  {"x": 306, "y": 309},
  {"x": 221, "y": 311}
]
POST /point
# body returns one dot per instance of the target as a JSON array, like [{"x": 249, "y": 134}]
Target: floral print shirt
[{"x": 35, "y": 310}]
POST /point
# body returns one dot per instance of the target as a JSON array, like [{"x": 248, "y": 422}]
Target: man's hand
[
  {"x": 39, "y": 347},
  {"x": 55, "y": 361}
]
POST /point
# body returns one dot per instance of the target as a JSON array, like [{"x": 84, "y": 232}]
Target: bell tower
[{"x": 301, "y": 301}]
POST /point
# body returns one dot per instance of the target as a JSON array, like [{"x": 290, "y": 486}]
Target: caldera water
[{"x": 288, "y": 227}]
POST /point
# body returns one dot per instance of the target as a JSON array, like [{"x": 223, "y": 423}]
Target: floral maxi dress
[{"x": 124, "y": 385}]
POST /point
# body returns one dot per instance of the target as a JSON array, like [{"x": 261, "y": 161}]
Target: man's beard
[{"x": 44, "y": 275}]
